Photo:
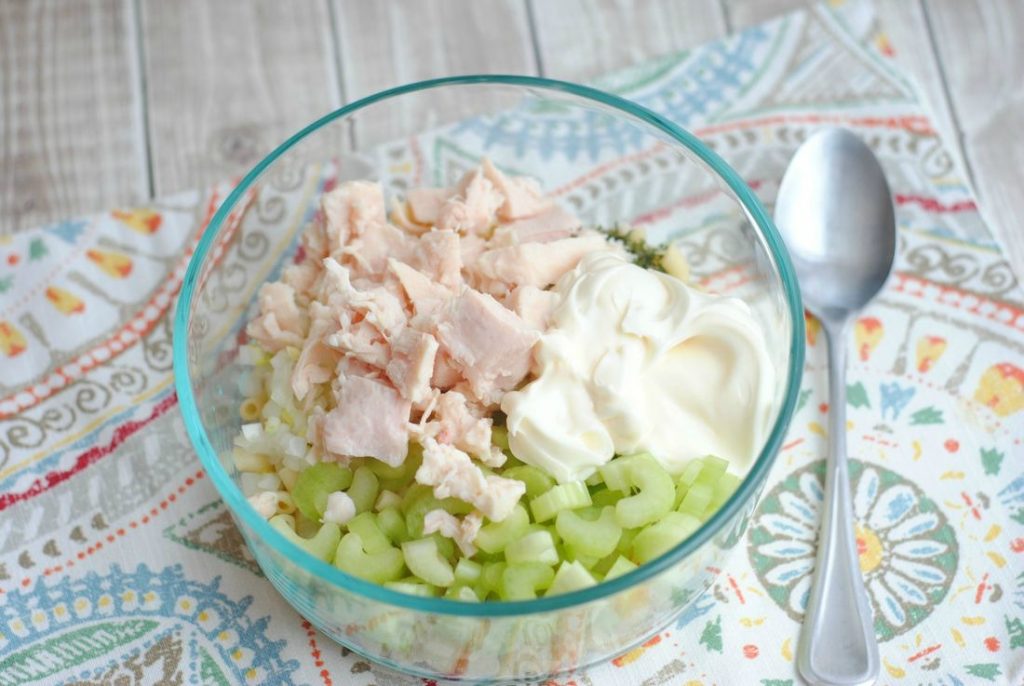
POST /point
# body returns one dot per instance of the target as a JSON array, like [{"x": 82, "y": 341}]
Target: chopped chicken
[
  {"x": 489, "y": 344},
  {"x": 412, "y": 364},
  {"x": 369, "y": 421},
  {"x": 458, "y": 423},
  {"x": 425, "y": 204},
  {"x": 551, "y": 225},
  {"x": 537, "y": 264},
  {"x": 279, "y": 323},
  {"x": 462, "y": 531},
  {"x": 474, "y": 209},
  {"x": 532, "y": 304},
  {"x": 522, "y": 195},
  {"x": 451, "y": 473}
]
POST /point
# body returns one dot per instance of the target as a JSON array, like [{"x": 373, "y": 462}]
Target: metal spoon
[{"x": 836, "y": 215}]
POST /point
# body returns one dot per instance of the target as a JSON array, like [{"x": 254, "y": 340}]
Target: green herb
[{"x": 646, "y": 256}]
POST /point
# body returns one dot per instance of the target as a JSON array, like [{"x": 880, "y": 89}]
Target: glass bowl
[{"x": 607, "y": 160}]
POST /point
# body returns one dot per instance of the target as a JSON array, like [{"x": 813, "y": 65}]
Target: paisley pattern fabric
[{"x": 119, "y": 564}]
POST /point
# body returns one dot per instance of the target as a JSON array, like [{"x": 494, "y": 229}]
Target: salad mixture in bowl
[
  {"x": 469, "y": 393},
  {"x": 493, "y": 398}
]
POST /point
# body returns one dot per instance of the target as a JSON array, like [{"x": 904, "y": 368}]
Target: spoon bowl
[{"x": 836, "y": 215}]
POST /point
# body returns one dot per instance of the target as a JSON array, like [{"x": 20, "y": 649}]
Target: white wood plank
[
  {"x": 581, "y": 39},
  {"x": 229, "y": 80},
  {"x": 68, "y": 143},
  {"x": 744, "y": 13},
  {"x": 384, "y": 44},
  {"x": 981, "y": 49}
]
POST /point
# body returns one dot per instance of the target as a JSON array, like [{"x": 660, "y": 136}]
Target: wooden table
[{"x": 107, "y": 102}]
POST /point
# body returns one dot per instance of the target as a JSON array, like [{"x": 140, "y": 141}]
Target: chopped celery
[
  {"x": 690, "y": 472},
  {"x": 425, "y": 561},
  {"x": 493, "y": 537},
  {"x": 426, "y": 502},
  {"x": 374, "y": 540},
  {"x": 412, "y": 587},
  {"x": 606, "y": 496},
  {"x": 726, "y": 486},
  {"x": 445, "y": 546},
  {"x": 363, "y": 490},
  {"x": 656, "y": 497},
  {"x": 413, "y": 494},
  {"x": 712, "y": 469},
  {"x": 592, "y": 538},
  {"x": 568, "y": 496},
  {"x": 620, "y": 567},
  {"x": 537, "y": 546},
  {"x": 467, "y": 571},
  {"x": 499, "y": 437},
  {"x": 616, "y": 473},
  {"x": 314, "y": 484},
  {"x": 626, "y": 540},
  {"x": 522, "y": 581},
  {"x": 321, "y": 545},
  {"x": 537, "y": 482},
  {"x": 663, "y": 535},
  {"x": 386, "y": 499},
  {"x": 381, "y": 567},
  {"x": 463, "y": 593},
  {"x": 571, "y": 576},
  {"x": 697, "y": 499},
  {"x": 490, "y": 575},
  {"x": 570, "y": 554},
  {"x": 392, "y": 523}
]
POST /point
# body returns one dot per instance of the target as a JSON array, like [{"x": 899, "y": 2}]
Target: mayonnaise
[{"x": 636, "y": 361}]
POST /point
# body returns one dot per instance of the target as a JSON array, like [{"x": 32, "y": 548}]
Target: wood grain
[
  {"x": 228, "y": 81},
  {"x": 581, "y": 39},
  {"x": 69, "y": 136},
  {"x": 384, "y": 44},
  {"x": 981, "y": 48}
]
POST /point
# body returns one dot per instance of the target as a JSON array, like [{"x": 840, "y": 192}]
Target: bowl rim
[{"x": 239, "y": 505}]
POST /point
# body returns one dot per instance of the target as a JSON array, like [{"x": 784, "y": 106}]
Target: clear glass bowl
[{"x": 606, "y": 159}]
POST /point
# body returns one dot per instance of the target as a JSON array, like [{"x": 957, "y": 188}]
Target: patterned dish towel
[{"x": 118, "y": 560}]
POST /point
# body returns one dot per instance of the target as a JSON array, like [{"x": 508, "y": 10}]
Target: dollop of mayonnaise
[{"x": 635, "y": 361}]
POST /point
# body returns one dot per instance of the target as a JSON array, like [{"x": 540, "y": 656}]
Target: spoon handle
[{"x": 837, "y": 643}]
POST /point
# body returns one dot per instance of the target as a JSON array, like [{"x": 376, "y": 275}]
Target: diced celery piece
[
  {"x": 601, "y": 567},
  {"x": 363, "y": 490},
  {"x": 493, "y": 537},
  {"x": 656, "y": 497},
  {"x": 413, "y": 494},
  {"x": 537, "y": 546},
  {"x": 537, "y": 482},
  {"x": 712, "y": 469},
  {"x": 392, "y": 523},
  {"x": 606, "y": 496},
  {"x": 467, "y": 571},
  {"x": 697, "y": 499},
  {"x": 620, "y": 567},
  {"x": 380, "y": 568},
  {"x": 726, "y": 486},
  {"x": 490, "y": 575},
  {"x": 499, "y": 437},
  {"x": 681, "y": 490},
  {"x": 570, "y": 554},
  {"x": 690, "y": 472},
  {"x": 626, "y": 540},
  {"x": 321, "y": 545},
  {"x": 663, "y": 535},
  {"x": 568, "y": 496},
  {"x": 594, "y": 480},
  {"x": 374, "y": 540},
  {"x": 571, "y": 576},
  {"x": 522, "y": 581},
  {"x": 412, "y": 587},
  {"x": 616, "y": 473},
  {"x": 445, "y": 546},
  {"x": 315, "y": 483},
  {"x": 386, "y": 499},
  {"x": 425, "y": 561},
  {"x": 592, "y": 538},
  {"x": 463, "y": 593},
  {"x": 426, "y": 502}
]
